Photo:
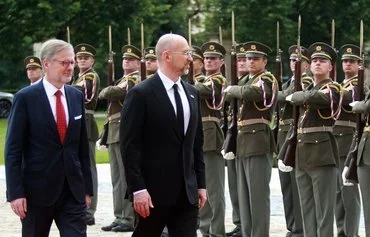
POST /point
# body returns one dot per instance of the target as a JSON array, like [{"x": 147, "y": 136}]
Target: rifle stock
[{"x": 232, "y": 132}]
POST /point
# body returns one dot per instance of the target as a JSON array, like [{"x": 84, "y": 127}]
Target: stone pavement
[{"x": 10, "y": 225}]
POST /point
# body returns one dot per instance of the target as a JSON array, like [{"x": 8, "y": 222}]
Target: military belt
[
  {"x": 253, "y": 121},
  {"x": 345, "y": 123},
  {"x": 285, "y": 121},
  {"x": 89, "y": 111},
  {"x": 367, "y": 129},
  {"x": 315, "y": 129},
  {"x": 114, "y": 116},
  {"x": 210, "y": 119}
]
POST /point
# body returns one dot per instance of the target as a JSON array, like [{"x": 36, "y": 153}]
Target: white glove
[
  {"x": 283, "y": 167},
  {"x": 101, "y": 147},
  {"x": 228, "y": 156},
  {"x": 352, "y": 104},
  {"x": 344, "y": 179},
  {"x": 289, "y": 98},
  {"x": 227, "y": 89}
]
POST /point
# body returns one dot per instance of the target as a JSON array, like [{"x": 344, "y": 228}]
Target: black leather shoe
[
  {"x": 122, "y": 228},
  {"x": 236, "y": 229},
  {"x": 90, "y": 221},
  {"x": 164, "y": 234},
  {"x": 237, "y": 233},
  {"x": 109, "y": 227}
]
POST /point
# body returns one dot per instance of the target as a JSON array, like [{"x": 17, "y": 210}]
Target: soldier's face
[
  {"x": 151, "y": 64},
  {"x": 59, "y": 69},
  {"x": 197, "y": 65},
  {"x": 242, "y": 66},
  {"x": 321, "y": 67},
  {"x": 130, "y": 65},
  {"x": 34, "y": 73},
  {"x": 256, "y": 64},
  {"x": 84, "y": 62},
  {"x": 350, "y": 66},
  {"x": 213, "y": 64}
]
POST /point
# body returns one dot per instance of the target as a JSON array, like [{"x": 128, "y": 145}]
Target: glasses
[
  {"x": 185, "y": 52},
  {"x": 66, "y": 63}
]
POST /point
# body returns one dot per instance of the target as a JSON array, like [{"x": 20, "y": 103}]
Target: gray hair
[{"x": 53, "y": 46}]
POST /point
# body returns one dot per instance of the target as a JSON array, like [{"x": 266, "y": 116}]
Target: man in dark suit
[
  {"x": 47, "y": 152},
  {"x": 161, "y": 145}
]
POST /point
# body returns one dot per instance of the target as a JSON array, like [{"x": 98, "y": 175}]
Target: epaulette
[
  {"x": 307, "y": 80},
  {"x": 218, "y": 79},
  {"x": 269, "y": 76},
  {"x": 89, "y": 76}
]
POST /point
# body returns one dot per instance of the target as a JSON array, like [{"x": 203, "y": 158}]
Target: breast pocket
[{"x": 253, "y": 140}]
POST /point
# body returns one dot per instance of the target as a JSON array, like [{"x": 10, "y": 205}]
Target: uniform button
[
  {"x": 254, "y": 131},
  {"x": 299, "y": 140},
  {"x": 279, "y": 129},
  {"x": 340, "y": 134},
  {"x": 316, "y": 141}
]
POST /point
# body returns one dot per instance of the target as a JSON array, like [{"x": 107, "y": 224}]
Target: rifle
[
  {"x": 104, "y": 133},
  {"x": 68, "y": 35},
  {"x": 351, "y": 174},
  {"x": 128, "y": 36},
  {"x": 142, "y": 61},
  {"x": 190, "y": 76},
  {"x": 278, "y": 73},
  {"x": 333, "y": 73},
  {"x": 289, "y": 156},
  {"x": 232, "y": 132},
  {"x": 224, "y": 122}
]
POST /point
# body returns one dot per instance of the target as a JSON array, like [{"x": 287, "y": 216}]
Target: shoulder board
[
  {"x": 218, "y": 79},
  {"x": 269, "y": 76},
  {"x": 89, "y": 76}
]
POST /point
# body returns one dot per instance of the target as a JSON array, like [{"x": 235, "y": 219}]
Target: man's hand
[
  {"x": 289, "y": 98},
  {"x": 100, "y": 147},
  {"x": 202, "y": 195},
  {"x": 352, "y": 104},
  {"x": 283, "y": 167},
  {"x": 88, "y": 201},
  {"x": 344, "y": 179},
  {"x": 19, "y": 207},
  {"x": 228, "y": 156},
  {"x": 227, "y": 89},
  {"x": 143, "y": 203}
]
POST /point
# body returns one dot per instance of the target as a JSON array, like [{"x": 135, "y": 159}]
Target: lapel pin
[{"x": 192, "y": 96}]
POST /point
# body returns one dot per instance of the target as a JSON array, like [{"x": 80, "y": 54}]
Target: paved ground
[{"x": 10, "y": 225}]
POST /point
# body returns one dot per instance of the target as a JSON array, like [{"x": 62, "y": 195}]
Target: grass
[{"x": 101, "y": 156}]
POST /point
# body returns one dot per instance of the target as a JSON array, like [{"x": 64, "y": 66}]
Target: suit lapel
[
  {"x": 191, "y": 101},
  {"x": 70, "y": 112}
]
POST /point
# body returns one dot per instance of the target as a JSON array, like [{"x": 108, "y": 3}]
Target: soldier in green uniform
[
  {"x": 363, "y": 159},
  {"x": 198, "y": 64},
  {"x": 348, "y": 204},
  {"x": 88, "y": 82},
  {"x": 34, "y": 69},
  {"x": 212, "y": 215},
  {"x": 288, "y": 183},
  {"x": 150, "y": 61},
  {"x": 317, "y": 152},
  {"x": 123, "y": 210},
  {"x": 242, "y": 72},
  {"x": 255, "y": 142}
]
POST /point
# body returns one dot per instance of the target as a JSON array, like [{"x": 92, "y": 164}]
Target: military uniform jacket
[
  {"x": 211, "y": 93},
  {"x": 255, "y": 96},
  {"x": 364, "y": 146},
  {"x": 89, "y": 83},
  {"x": 116, "y": 95},
  {"x": 317, "y": 105},
  {"x": 286, "y": 109},
  {"x": 345, "y": 125}
]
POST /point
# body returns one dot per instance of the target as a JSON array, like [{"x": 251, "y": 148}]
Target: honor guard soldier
[
  {"x": 212, "y": 216},
  {"x": 150, "y": 61},
  {"x": 34, "y": 69},
  {"x": 289, "y": 189},
  {"x": 317, "y": 152},
  {"x": 363, "y": 159},
  {"x": 88, "y": 82},
  {"x": 255, "y": 142},
  {"x": 198, "y": 64},
  {"x": 348, "y": 204},
  {"x": 242, "y": 73},
  {"x": 123, "y": 210}
]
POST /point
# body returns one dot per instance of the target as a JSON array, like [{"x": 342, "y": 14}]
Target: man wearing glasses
[
  {"x": 88, "y": 82},
  {"x": 47, "y": 160}
]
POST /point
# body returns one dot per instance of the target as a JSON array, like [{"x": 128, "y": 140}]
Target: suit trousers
[
  {"x": 94, "y": 174},
  {"x": 292, "y": 207},
  {"x": 317, "y": 191},
  {"x": 348, "y": 206},
  {"x": 364, "y": 180},
  {"x": 123, "y": 209},
  {"x": 212, "y": 215},
  {"x": 233, "y": 191},
  {"x": 254, "y": 175},
  {"x": 180, "y": 219},
  {"x": 68, "y": 214}
]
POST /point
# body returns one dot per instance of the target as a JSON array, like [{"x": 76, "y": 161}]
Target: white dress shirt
[{"x": 50, "y": 92}]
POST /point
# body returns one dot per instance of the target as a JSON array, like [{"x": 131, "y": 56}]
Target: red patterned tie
[{"x": 61, "y": 117}]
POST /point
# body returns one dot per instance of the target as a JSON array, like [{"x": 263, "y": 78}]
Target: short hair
[{"x": 53, "y": 46}]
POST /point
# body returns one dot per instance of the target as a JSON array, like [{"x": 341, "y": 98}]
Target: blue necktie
[{"x": 180, "y": 111}]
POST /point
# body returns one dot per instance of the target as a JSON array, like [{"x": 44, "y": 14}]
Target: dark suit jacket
[
  {"x": 155, "y": 156},
  {"x": 36, "y": 162}
]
